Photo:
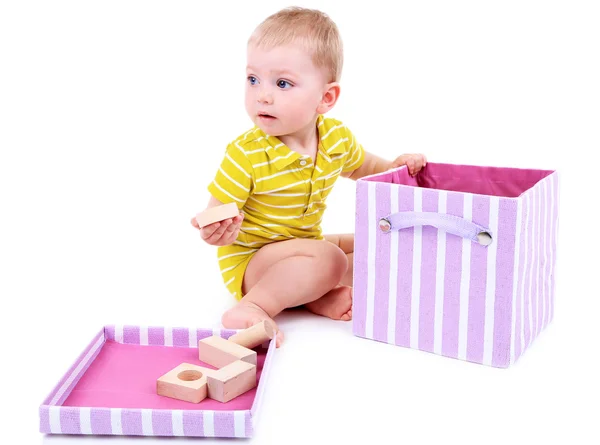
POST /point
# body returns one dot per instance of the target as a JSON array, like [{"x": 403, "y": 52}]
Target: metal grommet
[
  {"x": 384, "y": 225},
  {"x": 484, "y": 238}
]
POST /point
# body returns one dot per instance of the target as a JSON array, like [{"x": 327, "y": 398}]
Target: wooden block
[
  {"x": 217, "y": 213},
  {"x": 254, "y": 336},
  {"x": 231, "y": 381},
  {"x": 218, "y": 352},
  {"x": 185, "y": 382}
]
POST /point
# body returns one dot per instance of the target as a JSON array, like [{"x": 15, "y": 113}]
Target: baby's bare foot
[
  {"x": 245, "y": 314},
  {"x": 335, "y": 304}
]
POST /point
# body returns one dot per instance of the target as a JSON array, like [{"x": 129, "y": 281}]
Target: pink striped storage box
[
  {"x": 111, "y": 388},
  {"x": 458, "y": 261}
]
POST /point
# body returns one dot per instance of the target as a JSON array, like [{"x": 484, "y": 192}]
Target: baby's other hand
[
  {"x": 221, "y": 233},
  {"x": 413, "y": 161}
]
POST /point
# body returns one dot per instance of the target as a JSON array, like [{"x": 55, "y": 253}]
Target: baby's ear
[{"x": 330, "y": 96}]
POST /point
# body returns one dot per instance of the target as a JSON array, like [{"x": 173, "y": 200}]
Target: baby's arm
[{"x": 371, "y": 165}]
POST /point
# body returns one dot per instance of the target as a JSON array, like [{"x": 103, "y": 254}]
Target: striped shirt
[{"x": 282, "y": 192}]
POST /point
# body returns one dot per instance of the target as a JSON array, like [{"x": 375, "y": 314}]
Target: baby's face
[{"x": 283, "y": 89}]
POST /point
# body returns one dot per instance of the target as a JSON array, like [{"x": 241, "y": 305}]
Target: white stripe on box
[
  {"x": 416, "y": 274},
  {"x": 77, "y": 370},
  {"x": 147, "y": 422},
  {"x": 85, "y": 420},
  {"x": 193, "y": 336},
  {"x": 144, "y": 335},
  {"x": 119, "y": 334},
  {"x": 465, "y": 282},
  {"x": 54, "y": 415},
  {"x": 371, "y": 251},
  {"x": 515, "y": 293},
  {"x": 526, "y": 216},
  {"x": 168, "y": 336},
  {"x": 490, "y": 283},
  {"x": 440, "y": 277},
  {"x": 393, "y": 295},
  {"x": 217, "y": 332},
  {"x": 208, "y": 417},
  {"x": 116, "y": 422},
  {"x": 177, "y": 421},
  {"x": 239, "y": 423}
]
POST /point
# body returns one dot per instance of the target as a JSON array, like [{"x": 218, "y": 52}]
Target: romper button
[{"x": 302, "y": 162}]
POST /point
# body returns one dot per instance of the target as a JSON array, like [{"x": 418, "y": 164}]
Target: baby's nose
[{"x": 265, "y": 97}]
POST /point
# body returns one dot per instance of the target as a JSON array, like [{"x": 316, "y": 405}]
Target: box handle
[{"x": 448, "y": 223}]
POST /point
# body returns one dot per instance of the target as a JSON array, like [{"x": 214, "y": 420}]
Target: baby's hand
[
  {"x": 414, "y": 162},
  {"x": 221, "y": 233}
]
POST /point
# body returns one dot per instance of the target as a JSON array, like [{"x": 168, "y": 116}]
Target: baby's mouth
[{"x": 265, "y": 116}]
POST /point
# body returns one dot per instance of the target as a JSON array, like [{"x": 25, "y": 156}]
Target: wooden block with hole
[
  {"x": 219, "y": 352},
  {"x": 217, "y": 213},
  {"x": 185, "y": 382},
  {"x": 231, "y": 381},
  {"x": 255, "y": 335}
]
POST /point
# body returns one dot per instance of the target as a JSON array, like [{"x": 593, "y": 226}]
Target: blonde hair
[{"x": 312, "y": 29}]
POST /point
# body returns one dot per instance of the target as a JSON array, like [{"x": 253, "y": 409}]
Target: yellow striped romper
[{"x": 281, "y": 192}]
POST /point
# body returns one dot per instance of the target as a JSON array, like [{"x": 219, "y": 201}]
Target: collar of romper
[{"x": 281, "y": 155}]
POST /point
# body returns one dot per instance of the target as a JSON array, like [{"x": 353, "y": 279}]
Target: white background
[{"x": 114, "y": 116}]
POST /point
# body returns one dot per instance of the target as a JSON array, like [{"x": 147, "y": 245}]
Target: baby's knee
[{"x": 335, "y": 262}]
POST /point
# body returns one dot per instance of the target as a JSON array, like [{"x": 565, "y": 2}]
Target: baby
[{"x": 273, "y": 255}]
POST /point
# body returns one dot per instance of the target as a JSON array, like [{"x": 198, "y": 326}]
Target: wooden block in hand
[
  {"x": 231, "y": 381},
  {"x": 185, "y": 382},
  {"x": 218, "y": 352},
  {"x": 254, "y": 335},
  {"x": 217, "y": 213}
]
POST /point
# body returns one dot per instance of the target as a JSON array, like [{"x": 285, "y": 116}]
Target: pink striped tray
[{"x": 111, "y": 388}]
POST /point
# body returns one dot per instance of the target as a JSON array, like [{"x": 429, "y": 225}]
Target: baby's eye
[
  {"x": 252, "y": 80},
  {"x": 283, "y": 84}
]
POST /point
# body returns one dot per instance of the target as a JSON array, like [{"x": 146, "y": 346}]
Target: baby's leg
[
  {"x": 337, "y": 303},
  {"x": 345, "y": 242},
  {"x": 286, "y": 274}
]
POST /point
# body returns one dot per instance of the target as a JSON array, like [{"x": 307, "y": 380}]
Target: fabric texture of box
[{"x": 458, "y": 261}]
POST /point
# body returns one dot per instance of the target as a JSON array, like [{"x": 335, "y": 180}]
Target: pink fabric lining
[
  {"x": 124, "y": 376},
  {"x": 492, "y": 181}
]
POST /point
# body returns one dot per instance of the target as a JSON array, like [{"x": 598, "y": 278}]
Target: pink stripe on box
[
  {"x": 162, "y": 422},
  {"x": 248, "y": 423},
  {"x": 100, "y": 419},
  {"x": 181, "y": 337},
  {"x": 428, "y": 274},
  {"x": 505, "y": 258},
  {"x": 69, "y": 421},
  {"x": 131, "y": 335},
  {"x": 224, "y": 424},
  {"x": 520, "y": 306},
  {"x": 477, "y": 286},
  {"x": 156, "y": 336},
  {"x": 44, "y": 419},
  {"x": 132, "y": 422},
  {"x": 193, "y": 423},
  {"x": 359, "y": 302},
  {"x": 382, "y": 265},
  {"x": 405, "y": 265},
  {"x": 452, "y": 277}
]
